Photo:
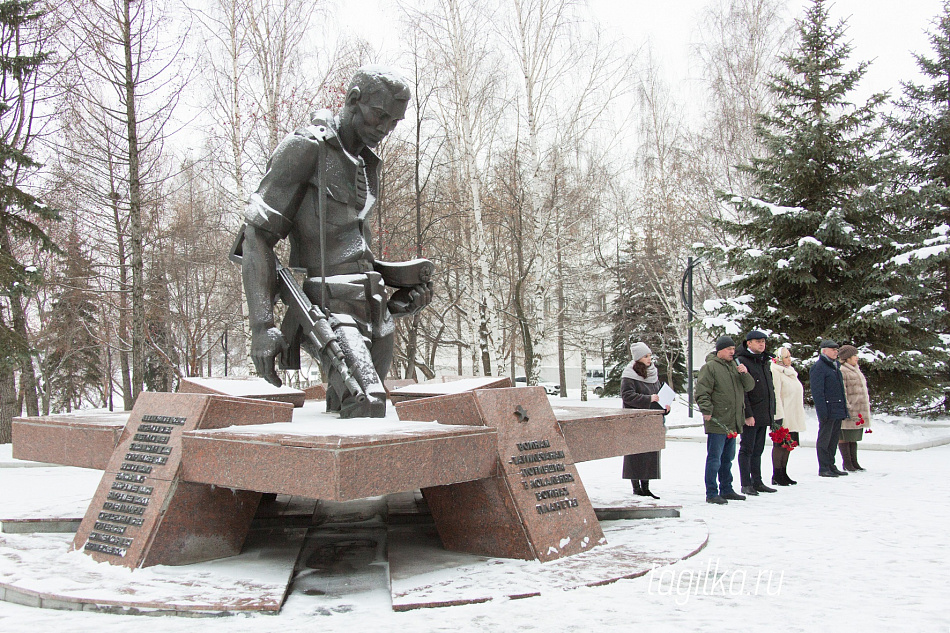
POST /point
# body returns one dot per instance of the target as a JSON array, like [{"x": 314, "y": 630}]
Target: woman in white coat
[{"x": 789, "y": 408}]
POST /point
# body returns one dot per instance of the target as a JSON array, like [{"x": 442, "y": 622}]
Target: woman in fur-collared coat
[
  {"x": 789, "y": 408},
  {"x": 859, "y": 406},
  {"x": 639, "y": 385}
]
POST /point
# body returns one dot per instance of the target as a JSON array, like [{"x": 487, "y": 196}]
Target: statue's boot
[{"x": 373, "y": 406}]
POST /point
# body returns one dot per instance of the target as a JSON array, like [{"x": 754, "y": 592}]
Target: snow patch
[
  {"x": 921, "y": 253},
  {"x": 774, "y": 209}
]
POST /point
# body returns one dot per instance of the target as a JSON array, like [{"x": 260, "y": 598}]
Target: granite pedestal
[{"x": 186, "y": 470}]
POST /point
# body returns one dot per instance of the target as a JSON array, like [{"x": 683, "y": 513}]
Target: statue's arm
[
  {"x": 269, "y": 215},
  {"x": 259, "y": 272}
]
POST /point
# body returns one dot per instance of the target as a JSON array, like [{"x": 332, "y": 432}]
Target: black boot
[
  {"x": 777, "y": 457},
  {"x": 788, "y": 480},
  {"x": 854, "y": 456},
  {"x": 637, "y": 488},
  {"x": 845, "y": 449},
  {"x": 645, "y": 489}
]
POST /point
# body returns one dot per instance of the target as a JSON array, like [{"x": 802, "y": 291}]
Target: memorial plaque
[
  {"x": 142, "y": 514},
  {"x": 536, "y": 507}
]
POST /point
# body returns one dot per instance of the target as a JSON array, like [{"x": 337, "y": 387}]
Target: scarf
[{"x": 651, "y": 377}]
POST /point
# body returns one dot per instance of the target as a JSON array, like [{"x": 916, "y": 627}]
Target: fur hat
[
  {"x": 847, "y": 351},
  {"x": 723, "y": 342},
  {"x": 639, "y": 350}
]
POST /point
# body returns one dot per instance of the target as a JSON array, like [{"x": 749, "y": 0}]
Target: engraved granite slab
[
  {"x": 536, "y": 506},
  {"x": 142, "y": 513}
]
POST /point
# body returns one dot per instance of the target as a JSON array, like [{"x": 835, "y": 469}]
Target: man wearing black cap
[
  {"x": 827, "y": 390},
  {"x": 759, "y": 413},
  {"x": 720, "y": 392}
]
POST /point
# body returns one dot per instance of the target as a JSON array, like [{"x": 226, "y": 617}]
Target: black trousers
[
  {"x": 827, "y": 443},
  {"x": 751, "y": 447}
]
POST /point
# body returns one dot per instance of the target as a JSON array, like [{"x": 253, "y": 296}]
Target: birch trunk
[
  {"x": 135, "y": 207},
  {"x": 463, "y": 57}
]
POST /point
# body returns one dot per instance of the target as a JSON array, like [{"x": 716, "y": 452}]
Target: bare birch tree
[
  {"x": 550, "y": 43},
  {"x": 122, "y": 90},
  {"x": 271, "y": 63},
  {"x": 669, "y": 205},
  {"x": 469, "y": 106},
  {"x": 739, "y": 48}
]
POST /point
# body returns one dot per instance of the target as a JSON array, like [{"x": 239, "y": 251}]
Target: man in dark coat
[
  {"x": 827, "y": 390},
  {"x": 759, "y": 413}
]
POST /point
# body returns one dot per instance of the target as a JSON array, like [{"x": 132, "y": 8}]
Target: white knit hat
[{"x": 639, "y": 350}]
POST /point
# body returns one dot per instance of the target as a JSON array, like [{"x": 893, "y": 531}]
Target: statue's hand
[
  {"x": 408, "y": 301},
  {"x": 265, "y": 346}
]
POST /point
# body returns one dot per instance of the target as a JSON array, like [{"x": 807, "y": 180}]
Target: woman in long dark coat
[{"x": 639, "y": 385}]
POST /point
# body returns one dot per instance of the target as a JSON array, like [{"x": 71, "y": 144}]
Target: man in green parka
[{"x": 720, "y": 394}]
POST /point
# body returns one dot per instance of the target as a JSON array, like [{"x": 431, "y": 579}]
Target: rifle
[
  {"x": 315, "y": 325},
  {"x": 313, "y": 322}
]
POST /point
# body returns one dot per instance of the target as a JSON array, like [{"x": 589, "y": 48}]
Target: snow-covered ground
[{"x": 860, "y": 553}]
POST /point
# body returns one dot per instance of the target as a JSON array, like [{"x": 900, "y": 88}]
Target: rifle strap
[{"x": 322, "y": 218}]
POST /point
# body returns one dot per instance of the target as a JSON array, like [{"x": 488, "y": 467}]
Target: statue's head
[{"x": 375, "y": 102}]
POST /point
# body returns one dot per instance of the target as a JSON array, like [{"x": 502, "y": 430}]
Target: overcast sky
[{"x": 885, "y": 31}]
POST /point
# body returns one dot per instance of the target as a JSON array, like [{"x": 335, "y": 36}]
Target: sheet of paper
[{"x": 666, "y": 395}]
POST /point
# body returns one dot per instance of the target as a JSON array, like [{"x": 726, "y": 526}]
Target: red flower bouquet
[
  {"x": 860, "y": 420},
  {"x": 783, "y": 438}
]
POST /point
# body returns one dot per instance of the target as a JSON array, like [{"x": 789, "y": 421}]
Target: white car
[
  {"x": 595, "y": 381},
  {"x": 549, "y": 387}
]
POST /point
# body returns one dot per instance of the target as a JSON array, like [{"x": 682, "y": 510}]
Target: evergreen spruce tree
[
  {"x": 811, "y": 260},
  {"x": 20, "y": 212},
  {"x": 923, "y": 131},
  {"x": 638, "y": 316},
  {"x": 72, "y": 364},
  {"x": 160, "y": 350}
]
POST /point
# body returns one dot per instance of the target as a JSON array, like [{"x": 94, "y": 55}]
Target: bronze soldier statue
[{"x": 319, "y": 190}]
